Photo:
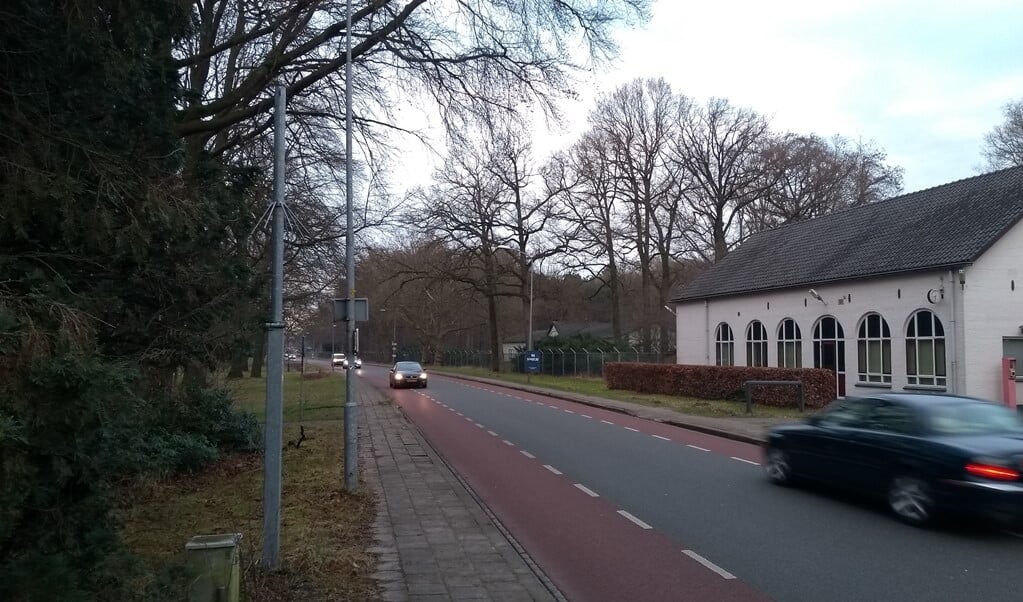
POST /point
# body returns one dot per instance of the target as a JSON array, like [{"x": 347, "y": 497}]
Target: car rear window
[{"x": 972, "y": 419}]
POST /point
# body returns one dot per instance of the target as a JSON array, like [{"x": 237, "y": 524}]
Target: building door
[{"x": 829, "y": 350}]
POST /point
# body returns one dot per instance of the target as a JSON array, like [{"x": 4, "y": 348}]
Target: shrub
[{"x": 722, "y": 382}]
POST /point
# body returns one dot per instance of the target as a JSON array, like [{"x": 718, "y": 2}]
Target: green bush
[{"x": 71, "y": 426}]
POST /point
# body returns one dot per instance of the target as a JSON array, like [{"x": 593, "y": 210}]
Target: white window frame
[
  {"x": 790, "y": 344},
  {"x": 874, "y": 350},
  {"x": 921, "y": 349},
  {"x": 756, "y": 345},
  {"x": 724, "y": 345}
]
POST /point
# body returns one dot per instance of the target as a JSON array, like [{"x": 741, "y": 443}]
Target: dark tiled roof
[
  {"x": 949, "y": 225},
  {"x": 600, "y": 330}
]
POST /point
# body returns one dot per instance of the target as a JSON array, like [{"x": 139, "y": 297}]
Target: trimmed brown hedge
[{"x": 722, "y": 382}]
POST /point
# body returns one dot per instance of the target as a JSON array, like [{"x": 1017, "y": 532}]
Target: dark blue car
[{"x": 924, "y": 454}]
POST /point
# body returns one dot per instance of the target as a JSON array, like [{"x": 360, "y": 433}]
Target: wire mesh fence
[{"x": 559, "y": 361}]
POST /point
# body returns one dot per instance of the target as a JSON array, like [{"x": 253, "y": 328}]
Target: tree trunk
[
  {"x": 196, "y": 375},
  {"x": 258, "y": 351},
  {"x": 238, "y": 366},
  {"x": 495, "y": 339}
]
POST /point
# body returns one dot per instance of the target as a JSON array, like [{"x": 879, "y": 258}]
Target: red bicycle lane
[{"x": 591, "y": 549}]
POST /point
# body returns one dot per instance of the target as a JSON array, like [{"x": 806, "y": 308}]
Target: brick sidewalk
[{"x": 434, "y": 539}]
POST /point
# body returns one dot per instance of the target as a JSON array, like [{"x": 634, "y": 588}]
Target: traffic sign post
[{"x": 533, "y": 362}]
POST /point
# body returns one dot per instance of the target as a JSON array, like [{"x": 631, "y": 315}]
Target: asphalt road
[{"x": 617, "y": 508}]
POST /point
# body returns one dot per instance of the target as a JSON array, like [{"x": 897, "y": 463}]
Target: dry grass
[{"x": 325, "y": 531}]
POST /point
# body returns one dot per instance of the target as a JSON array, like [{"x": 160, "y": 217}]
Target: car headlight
[
  {"x": 398, "y": 377},
  {"x": 422, "y": 375}
]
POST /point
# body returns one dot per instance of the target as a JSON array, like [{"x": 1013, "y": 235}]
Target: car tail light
[{"x": 992, "y": 471}]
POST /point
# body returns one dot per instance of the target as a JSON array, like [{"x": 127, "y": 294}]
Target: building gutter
[{"x": 706, "y": 331}]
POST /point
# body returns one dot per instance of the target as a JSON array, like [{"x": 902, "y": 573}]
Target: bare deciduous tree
[
  {"x": 640, "y": 122},
  {"x": 814, "y": 177},
  {"x": 1004, "y": 144},
  {"x": 720, "y": 152}
]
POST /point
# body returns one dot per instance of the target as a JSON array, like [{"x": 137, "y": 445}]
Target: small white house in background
[{"x": 922, "y": 292}]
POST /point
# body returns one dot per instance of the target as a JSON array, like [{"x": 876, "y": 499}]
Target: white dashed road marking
[
  {"x": 699, "y": 448},
  {"x": 635, "y": 520},
  {"x": 629, "y": 428},
  {"x": 586, "y": 490},
  {"x": 585, "y": 416},
  {"x": 607, "y": 422},
  {"x": 552, "y": 469},
  {"x": 664, "y": 438},
  {"x": 710, "y": 565},
  {"x": 746, "y": 461},
  {"x": 527, "y": 454},
  {"x": 508, "y": 443},
  {"x": 492, "y": 433}
]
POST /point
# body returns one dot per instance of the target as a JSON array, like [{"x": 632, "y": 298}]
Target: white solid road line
[
  {"x": 699, "y": 448},
  {"x": 632, "y": 518},
  {"x": 710, "y": 565},
  {"x": 586, "y": 490},
  {"x": 527, "y": 454},
  {"x": 552, "y": 469}
]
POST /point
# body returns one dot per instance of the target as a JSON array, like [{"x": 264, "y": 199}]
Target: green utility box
[{"x": 215, "y": 560}]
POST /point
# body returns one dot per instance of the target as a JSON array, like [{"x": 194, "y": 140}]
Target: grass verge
[
  {"x": 325, "y": 531},
  {"x": 595, "y": 386}
]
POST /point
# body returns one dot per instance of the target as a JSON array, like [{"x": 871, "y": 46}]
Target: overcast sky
[{"x": 925, "y": 80}]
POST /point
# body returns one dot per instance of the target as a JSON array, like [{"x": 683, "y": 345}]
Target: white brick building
[{"x": 919, "y": 292}]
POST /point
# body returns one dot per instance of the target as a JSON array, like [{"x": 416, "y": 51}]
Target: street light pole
[
  {"x": 529, "y": 333},
  {"x": 394, "y": 334}
]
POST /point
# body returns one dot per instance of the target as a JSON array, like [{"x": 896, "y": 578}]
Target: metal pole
[
  {"x": 351, "y": 430},
  {"x": 529, "y": 334},
  {"x": 273, "y": 436}
]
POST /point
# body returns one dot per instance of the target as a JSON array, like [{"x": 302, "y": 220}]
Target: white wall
[
  {"x": 896, "y": 299},
  {"x": 992, "y": 310}
]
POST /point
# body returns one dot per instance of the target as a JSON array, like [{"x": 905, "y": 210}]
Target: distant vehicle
[
  {"x": 358, "y": 363},
  {"x": 924, "y": 454},
  {"x": 408, "y": 374},
  {"x": 290, "y": 357},
  {"x": 338, "y": 359}
]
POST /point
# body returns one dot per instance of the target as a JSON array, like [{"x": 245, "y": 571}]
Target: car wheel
[
  {"x": 778, "y": 466},
  {"x": 423, "y": 385},
  {"x": 911, "y": 500}
]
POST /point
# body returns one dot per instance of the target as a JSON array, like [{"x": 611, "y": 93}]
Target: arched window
[
  {"x": 724, "y": 346},
  {"x": 829, "y": 349},
  {"x": 790, "y": 344},
  {"x": 756, "y": 344},
  {"x": 874, "y": 350},
  {"x": 925, "y": 350}
]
